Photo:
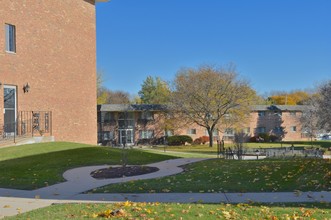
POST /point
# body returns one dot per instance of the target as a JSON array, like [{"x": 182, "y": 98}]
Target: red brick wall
[{"x": 55, "y": 54}]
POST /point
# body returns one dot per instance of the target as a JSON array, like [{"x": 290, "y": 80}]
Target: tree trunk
[{"x": 210, "y": 133}]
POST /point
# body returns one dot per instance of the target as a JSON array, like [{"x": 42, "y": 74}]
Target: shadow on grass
[{"x": 40, "y": 170}]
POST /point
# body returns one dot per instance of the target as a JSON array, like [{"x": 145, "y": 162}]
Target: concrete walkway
[{"x": 79, "y": 180}]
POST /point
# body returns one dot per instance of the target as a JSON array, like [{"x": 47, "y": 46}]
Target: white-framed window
[
  {"x": 168, "y": 132},
  {"x": 191, "y": 131},
  {"x": 293, "y": 128},
  {"x": 146, "y": 134},
  {"x": 10, "y": 38},
  {"x": 260, "y": 129}
]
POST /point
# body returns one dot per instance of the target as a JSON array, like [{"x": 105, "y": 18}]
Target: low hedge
[{"x": 179, "y": 140}]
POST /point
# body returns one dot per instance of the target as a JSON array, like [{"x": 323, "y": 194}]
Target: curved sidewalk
[{"x": 79, "y": 180}]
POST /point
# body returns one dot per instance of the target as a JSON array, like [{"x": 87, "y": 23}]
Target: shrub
[
  {"x": 197, "y": 141},
  {"x": 179, "y": 139},
  {"x": 201, "y": 140},
  {"x": 273, "y": 138},
  {"x": 264, "y": 137},
  {"x": 253, "y": 139},
  {"x": 144, "y": 141},
  {"x": 204, "y": 139}
]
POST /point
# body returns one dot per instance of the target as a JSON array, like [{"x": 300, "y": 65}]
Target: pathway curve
[{"x": 79, "y": 180}]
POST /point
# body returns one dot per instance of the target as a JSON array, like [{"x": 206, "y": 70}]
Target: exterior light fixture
[
  {"x": 0, "y": 85},
  {"x": 26, "y": 88}
]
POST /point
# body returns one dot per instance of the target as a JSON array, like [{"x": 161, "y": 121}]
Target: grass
[
  {"x": 218, "y": 175},
  {"x": 129, "y": 210},
  {"x": 206, "y": 151},
  {"x": 38, "y": 165},
  {"x": 184, "y": 153}
]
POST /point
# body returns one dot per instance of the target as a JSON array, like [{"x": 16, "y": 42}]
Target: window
[
  {"x": 126, "y": 120},
  {"x": 278, "y": 129},
  {"x": 168, "y": 132},
  {"x": 108, "y": 117},
  {"x": 261, "y": 113},
  {"x": 108, "y": 135},
  {"x": 215, "y": 133},
  {"x": 192, "y": 131},
  {"x": 229, "y": 132},
  {"x": 147, "y": 115},
  {"x": 260, "y": 130},
  {"x": 293, "y": 128},
  {"x": 10, "y": 38},
  {"x": 105, "y": 135},
  {"x": 146, "y": 134}
]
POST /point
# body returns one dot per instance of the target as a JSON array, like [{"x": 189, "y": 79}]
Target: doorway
[
  {"x": 10, "y": 105},
  {"x": 126, "y": 137}
]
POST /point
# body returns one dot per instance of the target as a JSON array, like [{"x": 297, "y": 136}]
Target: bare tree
[
  {"x": 207, "y": 94},
  {"x": 309, "y": 119},
  {"x": 118, "y": 97},
  {"x": 238, "y": 142},
  {"x": 324, "y": 106},
  {"x": 106, "y": 96}
]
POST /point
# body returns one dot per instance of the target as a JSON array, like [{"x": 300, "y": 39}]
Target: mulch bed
[{"x": 118, "y": 172}]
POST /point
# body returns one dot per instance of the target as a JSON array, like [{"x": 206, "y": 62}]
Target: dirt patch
[{"x": 118, "y": 172}]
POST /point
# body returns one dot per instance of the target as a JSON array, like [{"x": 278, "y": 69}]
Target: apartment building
[
  {"x": 133, "y": 123},
  {"x": 48, "y": 69}
]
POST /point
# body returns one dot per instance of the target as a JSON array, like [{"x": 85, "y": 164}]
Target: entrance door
[
  {"x": 9, "y": 110},
  {"x": 126, "y": 136}
]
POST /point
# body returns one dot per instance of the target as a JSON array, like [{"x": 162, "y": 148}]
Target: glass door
[
  {"x": 126, "y": 137},
  {"x": 9, "y": 110}
]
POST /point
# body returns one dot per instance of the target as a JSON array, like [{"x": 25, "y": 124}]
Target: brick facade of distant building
[{"x": 280, "y": 121}]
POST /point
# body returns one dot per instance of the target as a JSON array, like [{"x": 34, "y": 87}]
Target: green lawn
[
  {"x": 129, "y": 210},
  {"x": 38, "y": 165},
  {"x": 218, "y": 175},
  {"x": 205, "y": 150}
]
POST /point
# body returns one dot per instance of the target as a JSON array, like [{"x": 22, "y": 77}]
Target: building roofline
[
  {"x": 158, "y": 107},
  {"x": 131, "y": 107}
]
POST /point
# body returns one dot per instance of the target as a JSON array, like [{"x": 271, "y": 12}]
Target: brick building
[
  {"x": 48, "y": 69},
  {"x": 133, "y": 123},
  {"x": 129, "y": 124}
]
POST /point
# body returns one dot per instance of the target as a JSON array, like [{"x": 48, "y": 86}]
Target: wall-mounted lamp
[
  {"x": 0, "y": 85},
  {"x": 26, "y": 88}
]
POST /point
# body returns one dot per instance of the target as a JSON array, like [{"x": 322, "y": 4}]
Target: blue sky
[{"x": 277, "y": 45}]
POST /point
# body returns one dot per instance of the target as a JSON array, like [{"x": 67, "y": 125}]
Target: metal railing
[{"x": 27, "y": 124}]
